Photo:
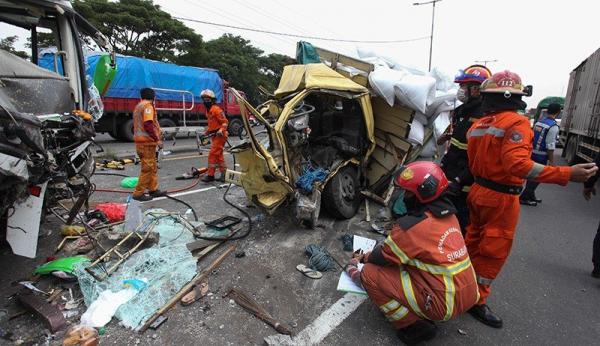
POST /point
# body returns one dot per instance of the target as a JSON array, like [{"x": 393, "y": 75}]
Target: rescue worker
[
  {"x": 217, "y": 128},
  {"x": 147, "y": 137},
  {"x": 545, "y": 133},
  {"x": 499, "y": 150},
  {"x": 456, "y": 163},
  {"x": 588, "y": 191},
  {"x": 422, "y": 272}
]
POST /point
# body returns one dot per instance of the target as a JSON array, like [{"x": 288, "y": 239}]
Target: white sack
[
  {"x": 417, "y": 132},
  {"x": 441, "y": 123},
  {"x": 443, "y": 101},
  {"x": 429, "y": 149},
  {"x": 415, "y": 92},
  {"x": 443, "y": 81},
  {"x": 422, "y": 118},
  {"x": 382, "y": 80}
]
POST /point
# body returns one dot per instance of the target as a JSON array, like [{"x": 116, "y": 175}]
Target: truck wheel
[
  {"x": 235, "y": 127},
  {"x": 166, "y": 122},
  {"x": 341, "y": 196},
  {"x": 114, "y": 134},
  {"x": 126, "y": 130},
  {"x": 571, "y": 150}
]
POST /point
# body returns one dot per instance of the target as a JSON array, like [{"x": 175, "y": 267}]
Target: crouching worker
[
  {"x": 422, "y": 272},
  {"x": 217, "y": 126}
]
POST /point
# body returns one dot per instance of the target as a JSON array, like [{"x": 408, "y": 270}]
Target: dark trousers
[
  {"x": 462, "y": 211},
  {"x": 596, "y": 250},
  {"x": 529, "y": 191}
]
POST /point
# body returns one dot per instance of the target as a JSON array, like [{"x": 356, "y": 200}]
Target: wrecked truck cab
[{"x": 317, "y": 149}]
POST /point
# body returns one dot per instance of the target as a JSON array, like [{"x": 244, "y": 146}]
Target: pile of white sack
[{"x": 432, "y": 95}]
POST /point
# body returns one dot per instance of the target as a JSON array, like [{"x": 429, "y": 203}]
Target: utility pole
[
  {"x": 432, "y": 2},
  {"x": 484, "y": 62}
]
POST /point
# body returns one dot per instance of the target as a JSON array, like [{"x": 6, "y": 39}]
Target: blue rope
[
  {"x": 309, "y": 177},
  {"x": 319, "y": 258}
]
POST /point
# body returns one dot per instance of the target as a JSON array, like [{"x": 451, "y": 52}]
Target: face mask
[
  {"x": 461, "y": 95},
  {"x": 207, "y": 105}
]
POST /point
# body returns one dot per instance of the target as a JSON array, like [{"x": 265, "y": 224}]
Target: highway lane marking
[{"x": 323, "y": 325}]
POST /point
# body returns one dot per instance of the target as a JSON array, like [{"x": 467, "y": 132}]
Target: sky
[{"x": 542, "y": 41}]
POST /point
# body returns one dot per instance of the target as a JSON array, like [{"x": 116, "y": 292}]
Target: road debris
[{"x": 252, "y": 306}]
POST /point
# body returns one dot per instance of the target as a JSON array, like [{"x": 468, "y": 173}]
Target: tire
[
  {"x": 236, "y": 126},
  {"x": 571, "y": 150},
  {"x": 166, "y": 122},
  {"x": 126, "y": 130},
  {"x": 114, "y": 134},
  {"x": 341, "y": 196}
]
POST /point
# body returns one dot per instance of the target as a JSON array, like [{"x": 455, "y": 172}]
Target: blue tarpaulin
[{"x": 135, "y": 73}]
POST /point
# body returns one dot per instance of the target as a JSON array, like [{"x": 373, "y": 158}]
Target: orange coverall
[
  {"x": 145, "y": 145},
  {"x": 216, "y": 121},
  {"x": 426, "y": 273},
  {"x": 499, "y": 150}
]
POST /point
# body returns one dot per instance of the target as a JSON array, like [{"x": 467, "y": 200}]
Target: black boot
[
  {"x": 421, "y": 330},
  {"x": 208, "y": 178},
  {"x": 596, "y": 272},
  {"x": 528, "y": 202},
  {"x": 485, "y": 315},
  {"x": 142, "y": 198},
  {"x": 157, "y": 193}
]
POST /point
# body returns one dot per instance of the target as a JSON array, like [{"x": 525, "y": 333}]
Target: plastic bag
[
  {"x": 129, "y": 182},
  {"x": 114, "y": 211},
  {"x": 104, "y": 307}
]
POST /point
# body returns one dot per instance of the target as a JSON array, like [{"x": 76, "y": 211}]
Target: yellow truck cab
[{"x": 328, "y": 143}]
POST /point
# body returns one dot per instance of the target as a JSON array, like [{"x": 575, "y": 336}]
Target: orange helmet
[
  {"x": 423, "y": 178},
  {"x": 505, "y": 82},
  {"x": 473, "y": 74},
  {"x": 208, "y": 93}
]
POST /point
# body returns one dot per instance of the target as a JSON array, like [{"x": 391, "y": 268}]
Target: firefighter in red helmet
[
  {"x": 422, "y": 272},
  {"x": 456, "y": 163}
]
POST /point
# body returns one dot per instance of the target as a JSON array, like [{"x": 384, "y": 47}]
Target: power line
[{"x": 299, "y": 36}]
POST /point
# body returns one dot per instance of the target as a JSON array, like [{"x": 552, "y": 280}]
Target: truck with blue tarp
[{"x": 177, "y": 89}]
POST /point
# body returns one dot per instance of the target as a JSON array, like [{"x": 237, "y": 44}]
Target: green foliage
[
  {"x": 8, "y": 44},
  {"x": 140, "y": 28}
]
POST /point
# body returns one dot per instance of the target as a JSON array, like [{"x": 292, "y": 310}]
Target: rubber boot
[
  {"x": 142, "y": 198},
  {"x": 208, "y": 178},
  {"x": 485, "y": 315},
  {"x": 157, "y": 193},
  {"x": 417, "y": 332}
]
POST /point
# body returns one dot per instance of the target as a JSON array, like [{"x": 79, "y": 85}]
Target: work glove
[
  {"x": 454, "y": 188},
  {"x": 220, "y": 133}
]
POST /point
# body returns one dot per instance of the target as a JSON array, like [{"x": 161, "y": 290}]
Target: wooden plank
[
  {"x": 381, "y": 107},
  {"x": 334, "y": 57},
  {"x": 358, "y": 78},
  {"x": 398, "y": 131},
  {"x": 398, "y": 142},
  {"x": 392, "y": 119},
  {"x": 389, "y": 161}
]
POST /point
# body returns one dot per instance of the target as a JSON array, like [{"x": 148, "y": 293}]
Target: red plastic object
[{"x": 114, "y": 211}]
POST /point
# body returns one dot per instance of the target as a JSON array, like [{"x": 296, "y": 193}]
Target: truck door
[{"x": 261, "y": 169}]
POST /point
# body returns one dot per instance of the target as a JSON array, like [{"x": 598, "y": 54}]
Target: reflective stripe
[
  {"x": 466, "y": 188},
  {"x": 389, "y": 306},
  {"x": 430, "y": 268},
  {"x": 409, "y": 293},
  {"x": 540, "y": 124},
  {"x": 458, "y": 144},
  {"x": 399, "y": 314},
  {"x": 480, "y": 132},
  {"x": 450, "y": 292},
  {"x": 484, "y": 281},
  {"x": 539, "y": 152},
  {"x": 535, "y": 171}
]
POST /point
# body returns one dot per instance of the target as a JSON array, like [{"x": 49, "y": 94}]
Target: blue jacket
[{"x": 540, "y": 132}]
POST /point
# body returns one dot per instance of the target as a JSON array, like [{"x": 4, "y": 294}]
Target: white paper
[{"x": 345, "y": 283}]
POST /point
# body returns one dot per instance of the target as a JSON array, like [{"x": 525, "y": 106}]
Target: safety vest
[
  {"x": 540, "y": 132},
  {"x": 139, "y": 133},
  {"x": 436, "y": 273}
]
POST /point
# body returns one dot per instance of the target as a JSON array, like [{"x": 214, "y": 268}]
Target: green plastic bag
[
  {"x": 65, "y": 264},
  {"x": 129, "y": 182}
]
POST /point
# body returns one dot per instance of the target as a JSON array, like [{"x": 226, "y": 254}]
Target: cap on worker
[
  {"x": 147, "y": 94},
  {"x": 208, "y": 93},
  {"x": 423, "y": 178},
  {"x": 505, "y": 82},
  {"x": 473, "y": 74}
]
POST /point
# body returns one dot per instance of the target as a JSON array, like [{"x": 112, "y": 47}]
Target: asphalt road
[{"x": 544, "y": 294}]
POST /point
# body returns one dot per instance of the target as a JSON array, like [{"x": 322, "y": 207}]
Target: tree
[
  {"x": 139, "y": 28},
  {"x": 8, "y": 44}
]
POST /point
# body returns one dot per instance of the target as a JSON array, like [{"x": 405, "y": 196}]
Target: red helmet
[
  {"x": 505, "y": 82},
  {"x": 473, "y": 74},
  {"x": 423, "y": 178}
]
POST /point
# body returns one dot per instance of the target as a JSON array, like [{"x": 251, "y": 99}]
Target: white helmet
[{"x": 208, "y": 93}]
